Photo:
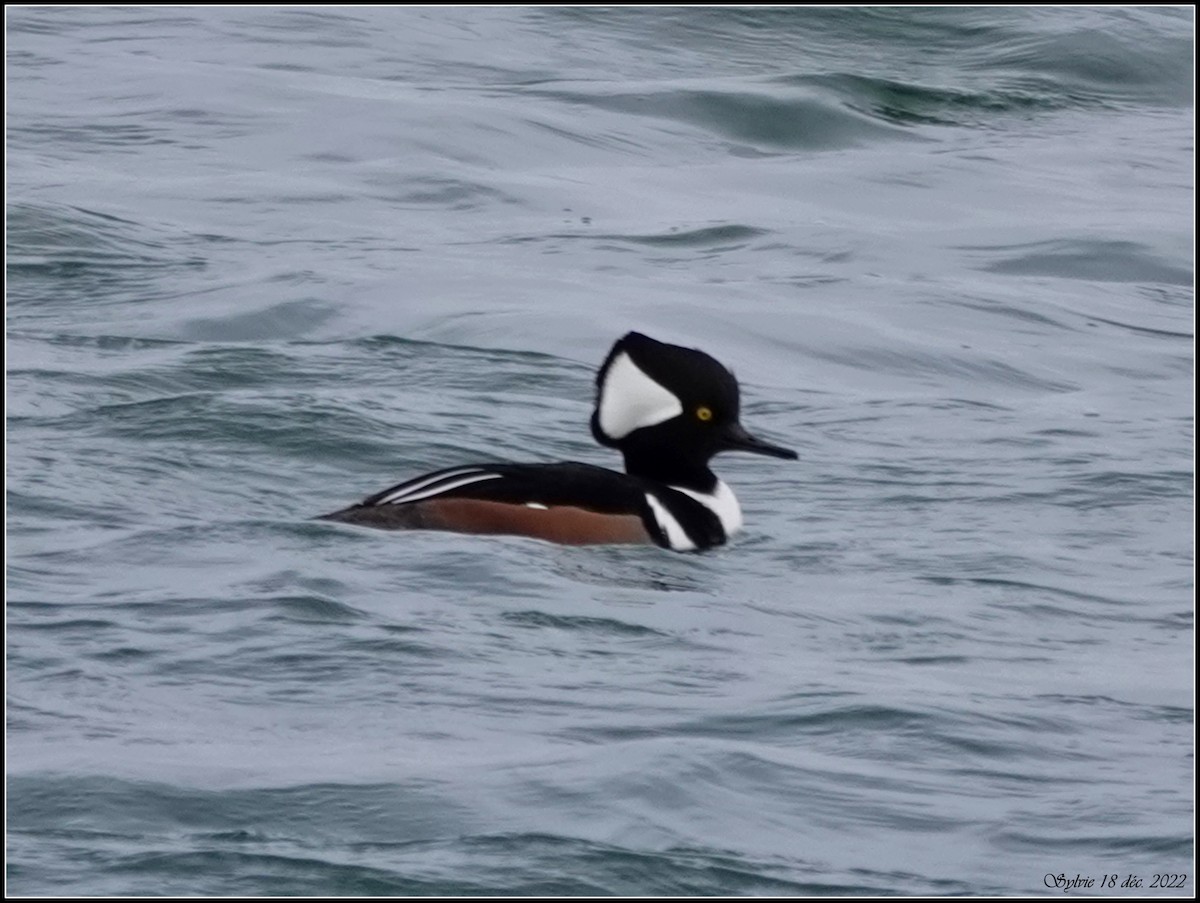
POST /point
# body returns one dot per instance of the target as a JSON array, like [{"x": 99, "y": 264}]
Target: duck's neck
[{"x": 694, "y": 475}]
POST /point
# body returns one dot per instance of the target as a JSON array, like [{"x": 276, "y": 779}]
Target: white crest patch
[
  {"x": 722, "y": 502},
  {"x": 630, "y": 400}
]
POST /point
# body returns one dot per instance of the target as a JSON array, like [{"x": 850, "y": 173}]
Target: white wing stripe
[
  {"x": 424, "y": 490},
  {"x": 422, "y": 482}
]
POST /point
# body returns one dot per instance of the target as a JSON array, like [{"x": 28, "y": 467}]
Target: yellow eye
[{"x": 703, "y": 413}]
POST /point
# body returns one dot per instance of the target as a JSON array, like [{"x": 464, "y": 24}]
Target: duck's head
[{"x": 669, "y": 409}]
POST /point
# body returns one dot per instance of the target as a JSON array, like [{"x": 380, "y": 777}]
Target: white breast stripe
[
  {"x": 630, "y": 400},
  {"x": 425, "y": 490},
  {"x": 722, "y": 502},
  {"x": 676, "y": 535}
]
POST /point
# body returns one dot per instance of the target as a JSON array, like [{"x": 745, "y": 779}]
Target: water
[{"x": 263, "y": 262}]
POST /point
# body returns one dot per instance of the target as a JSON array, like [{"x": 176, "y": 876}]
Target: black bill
[{"x": 737, "y": 439}]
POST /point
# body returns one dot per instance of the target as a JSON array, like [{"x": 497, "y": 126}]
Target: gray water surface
[{"x": 264, "y": 262}]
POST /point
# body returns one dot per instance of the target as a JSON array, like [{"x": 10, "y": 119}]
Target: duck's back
[{"x": 569, "y": 503}]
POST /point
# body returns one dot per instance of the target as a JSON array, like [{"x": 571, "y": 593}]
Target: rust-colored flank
[{"x": 561, "y": 523}]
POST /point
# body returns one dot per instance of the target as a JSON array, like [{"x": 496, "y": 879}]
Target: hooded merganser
[{"x": 667, "y": 409}]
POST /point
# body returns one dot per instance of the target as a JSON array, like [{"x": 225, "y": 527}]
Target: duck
[{"x": 666, "y": 408}]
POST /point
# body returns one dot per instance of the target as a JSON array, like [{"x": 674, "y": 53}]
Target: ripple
[
  {"x": 1092, "y": 260},
  {"x": 768, "y": 119},
  {"x": 588, "y": 624}
]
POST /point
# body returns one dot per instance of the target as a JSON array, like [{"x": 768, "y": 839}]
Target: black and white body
[{"x": 666, "y": 408}]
